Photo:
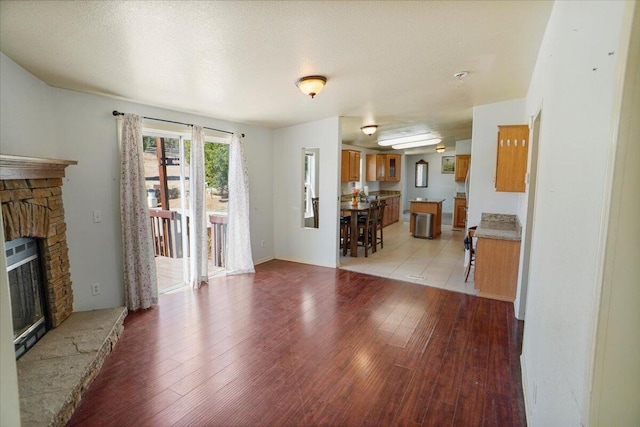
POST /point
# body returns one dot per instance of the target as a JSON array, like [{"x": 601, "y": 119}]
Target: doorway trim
[{"x": 524, "y": 275}]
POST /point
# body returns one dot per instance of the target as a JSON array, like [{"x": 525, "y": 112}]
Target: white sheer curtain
[
  {"x": 198, "y": 248},
  {"x": 239, "y": 258},
  {"x": 140, "y": 283}
]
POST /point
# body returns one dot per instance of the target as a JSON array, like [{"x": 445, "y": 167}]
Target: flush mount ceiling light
[
  {"x": 440, "y": 149},
  {"x": 369, "y": 129},
  {"x": 414, "y": 144},
  {"x": 403, "y": 139},
  {"x": 311, "y": 85}
]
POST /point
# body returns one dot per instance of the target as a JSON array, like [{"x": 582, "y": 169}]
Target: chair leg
[
  {"x": 373, "y": 239},
  {"x": 345, "y": 238},
  {"x": 365, "y": 238},
  {"x": 466, "y": 276}
]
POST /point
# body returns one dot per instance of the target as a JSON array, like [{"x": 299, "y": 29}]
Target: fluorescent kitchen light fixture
[
  {"x": 416, "y": 144},
  {"x": 403, "y": 139}
]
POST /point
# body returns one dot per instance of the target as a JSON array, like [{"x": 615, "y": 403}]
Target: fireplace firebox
[{"x": 27, "y": 294}]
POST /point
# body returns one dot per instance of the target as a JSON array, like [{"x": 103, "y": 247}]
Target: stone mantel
[{"x": 20, "y": 167}]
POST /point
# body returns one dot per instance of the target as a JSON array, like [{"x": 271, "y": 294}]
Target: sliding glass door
[{"x": 167, "y": 174}]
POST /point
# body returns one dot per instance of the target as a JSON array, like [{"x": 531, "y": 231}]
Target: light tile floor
[{"x": 438, "y": 262}]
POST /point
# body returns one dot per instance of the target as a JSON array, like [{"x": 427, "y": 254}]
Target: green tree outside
[{"x": 216, "y": 165}]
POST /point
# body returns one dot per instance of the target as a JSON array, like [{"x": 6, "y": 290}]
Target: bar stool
[{"x": 468, "y": 244}]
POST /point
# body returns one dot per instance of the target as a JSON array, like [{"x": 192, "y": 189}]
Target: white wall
[
  {"x": 575, "y": 80},
  {"x": 294, "y": 242},
  {"x": 482, "y": 194},
  {"x": 70, "y": 125},
  {"x": 439, "y": 185},
  {"x": 616, "y": 388},
  {"x": 462, "y": 147},
  {"x": 26, "y": 113}
]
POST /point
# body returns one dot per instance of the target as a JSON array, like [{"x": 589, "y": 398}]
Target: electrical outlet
[
  {"x": 95, "y": 289},
  {"x": 262, "y": 244}
]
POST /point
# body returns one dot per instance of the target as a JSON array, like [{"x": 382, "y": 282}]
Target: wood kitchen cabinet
[
  {"x": 511, "y": 162},
  {"x": 391, "y": 211},
  {"x": 462, "y": 166},
  {"x": 383, "y": 167},
  {"x": 392, "y": 171},
  {"x": 459, "y": 213},
  {"x": 496, "y": 268},
  {"x": 350, "y": 166},
  {"x": 376, "y": 165}
]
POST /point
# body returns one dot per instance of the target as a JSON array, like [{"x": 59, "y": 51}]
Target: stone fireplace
[
  {"x": 31, "y": 198},
  {"x": 53, "y": 375}
]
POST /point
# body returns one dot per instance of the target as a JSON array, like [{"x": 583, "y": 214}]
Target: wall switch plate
[
  {"x": 262, "y": 243},
  {"x": 95, "y": 289},
  {"x": 97, "y": 216}
]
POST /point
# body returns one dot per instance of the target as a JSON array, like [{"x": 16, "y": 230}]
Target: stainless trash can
[{"x": 423, "y": 225}]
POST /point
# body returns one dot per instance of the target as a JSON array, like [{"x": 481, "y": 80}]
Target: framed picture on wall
[{"x": 448, "y": 164}]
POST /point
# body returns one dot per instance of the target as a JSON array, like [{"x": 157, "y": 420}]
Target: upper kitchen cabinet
[
  {"x": 462, "y": 166},
  {"x": 375, "y": 167},
  {"x": 383, "y": 167},
  {"x": 392, "y": 171},
  {"x": 350, "y": 166},
  {"x": 511, "y": 162}
]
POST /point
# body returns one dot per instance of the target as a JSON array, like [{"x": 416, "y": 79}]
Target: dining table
[{"x": 354, "y": 210}]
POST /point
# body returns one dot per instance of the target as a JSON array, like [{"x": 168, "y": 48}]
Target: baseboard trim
[
  {"x": 263, "y": 260},
  {"x": 302, "y": 261},
  {"x": 525, "y": 388}
]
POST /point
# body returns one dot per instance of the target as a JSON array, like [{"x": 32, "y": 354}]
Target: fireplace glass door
[{"x": 25, "y": 289}]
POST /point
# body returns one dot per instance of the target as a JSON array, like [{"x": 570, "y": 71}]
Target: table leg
[{"x": 354, "y": 234}]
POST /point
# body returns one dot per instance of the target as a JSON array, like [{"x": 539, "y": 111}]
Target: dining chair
[
  {"x": 380, "y": 223},
  {"x": 367, "y": 228},
  {"x": 345, "y": 233},
  {"x": 315, "y": 204}
]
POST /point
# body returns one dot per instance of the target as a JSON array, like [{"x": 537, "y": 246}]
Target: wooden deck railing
[
  {"x": 166, "y": 232},
  {"x": 218, "y": 236}
]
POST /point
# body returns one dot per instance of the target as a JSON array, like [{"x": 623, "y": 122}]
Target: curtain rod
[{"x": 117, "y": 113}]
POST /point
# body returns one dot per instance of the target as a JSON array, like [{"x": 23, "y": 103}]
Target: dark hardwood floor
[{"x": 301, "y": 345}]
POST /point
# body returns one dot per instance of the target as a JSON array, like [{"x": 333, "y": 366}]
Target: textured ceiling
[{"x": 390, "y": 63}]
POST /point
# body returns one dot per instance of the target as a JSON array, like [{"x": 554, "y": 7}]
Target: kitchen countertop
[
  {"x": 427, "y": 201},
  {"x": 499, "y": 227},
  {"x": 383, "y": 194}
]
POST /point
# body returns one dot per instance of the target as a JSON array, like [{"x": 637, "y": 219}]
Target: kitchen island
[
  {"x": 497, "y": 256},
  {"x": 432, "y": 206}
]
